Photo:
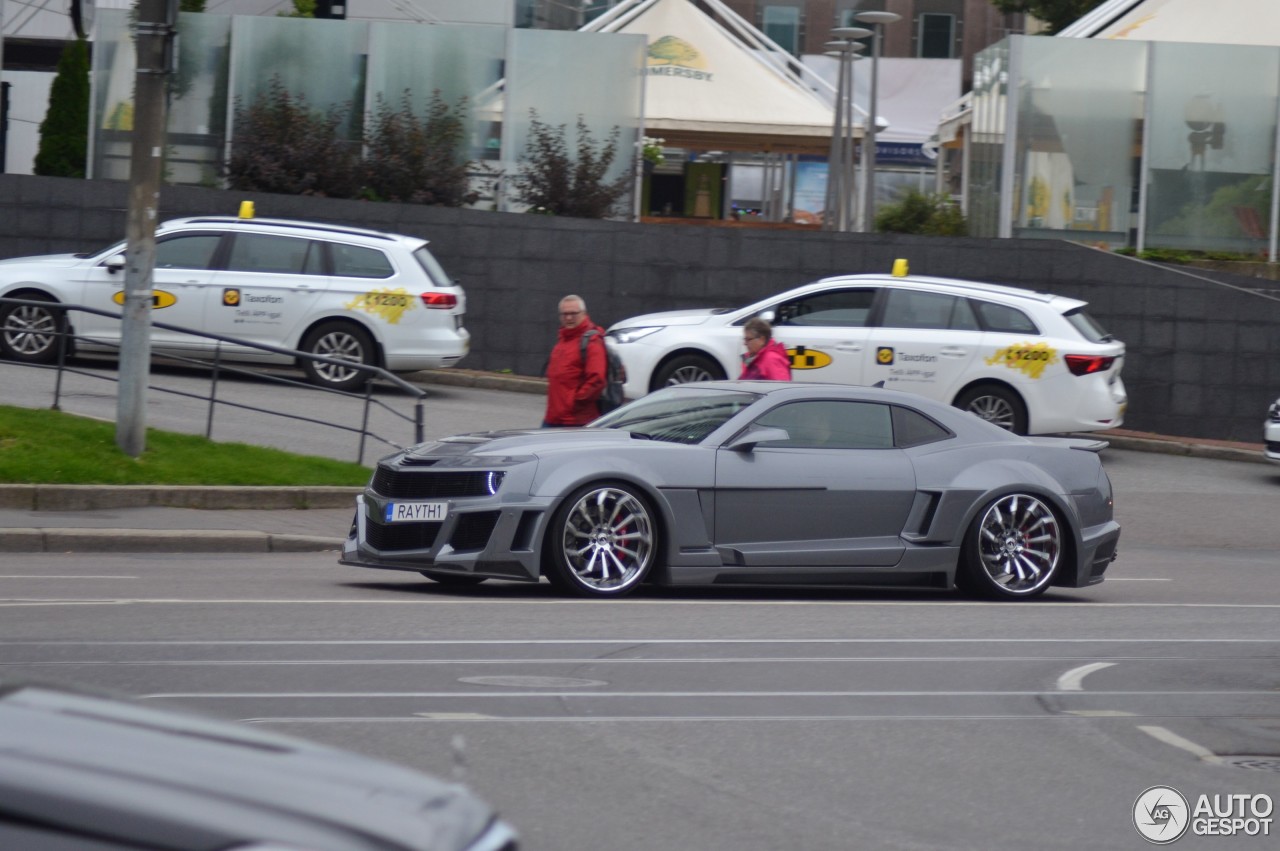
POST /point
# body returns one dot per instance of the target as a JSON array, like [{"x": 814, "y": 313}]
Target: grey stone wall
[{"x": 1203, "y": 355}]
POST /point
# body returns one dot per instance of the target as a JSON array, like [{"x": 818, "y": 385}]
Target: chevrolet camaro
[{"x": 748, "y": 483}]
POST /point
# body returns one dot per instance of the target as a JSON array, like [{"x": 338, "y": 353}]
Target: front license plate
[{"x": 416, "y": 512}]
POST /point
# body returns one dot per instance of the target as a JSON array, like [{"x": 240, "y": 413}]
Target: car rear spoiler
[{"x": 1082, "y": 443}]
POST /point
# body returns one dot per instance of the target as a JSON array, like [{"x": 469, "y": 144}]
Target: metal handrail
[{"x": 65, "y": 337}]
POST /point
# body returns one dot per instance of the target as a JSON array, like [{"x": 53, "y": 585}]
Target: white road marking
[
  {"x": 60, "y": 576},
  {"x": 1171, "y": 738},
  {"x": 614, "y": 641},
  {"x": 632, "y": 719},
  {"x": 1072, "y": 680},
  {"x": 559, "y": 695}
]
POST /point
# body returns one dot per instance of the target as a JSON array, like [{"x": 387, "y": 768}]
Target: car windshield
[{"x": 678, "y": 415}]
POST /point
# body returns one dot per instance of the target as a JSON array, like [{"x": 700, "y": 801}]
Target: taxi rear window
[{"x": 1088, "y": 327}]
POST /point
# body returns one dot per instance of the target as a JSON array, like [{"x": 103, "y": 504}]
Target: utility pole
[{"x": 154, "y": 39}]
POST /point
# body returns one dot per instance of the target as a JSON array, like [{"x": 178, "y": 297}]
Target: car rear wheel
[
  {"x": 997, "y": 405},
  {"x": 1012, "y": 550},
  {"x": 602, "y": 541},
  {"x": 340, "y": 340},
  {"x": 687, "y": 368},
  {"x": 457, "y": 580},
  {"x": 30, "y": 332}
]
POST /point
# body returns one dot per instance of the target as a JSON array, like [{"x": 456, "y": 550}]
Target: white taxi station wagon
[
  {"x": 1031, "y": 362},
  {"x": 358, "y": 295}
]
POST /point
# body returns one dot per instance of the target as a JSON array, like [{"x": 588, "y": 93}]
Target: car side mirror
[
  {"x": 114, "y": 264},
  {"x": 746, "y": 442}
]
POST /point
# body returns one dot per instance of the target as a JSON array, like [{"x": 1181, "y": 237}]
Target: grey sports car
[{"x": 741, "y": 483}]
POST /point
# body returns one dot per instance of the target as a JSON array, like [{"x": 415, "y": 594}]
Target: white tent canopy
[
  {"x": 1233, "y": 22},
  {"x": 706, "y": 88}
]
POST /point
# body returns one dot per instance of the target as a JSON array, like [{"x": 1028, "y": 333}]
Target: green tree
[
  {"x": 64, "y": 133},
  {"x": 554, "y": 182},
  {"x": 417, "y": 160},
  {"x": 919, "y": 213},
  {"x": 1057, "y": 14}
]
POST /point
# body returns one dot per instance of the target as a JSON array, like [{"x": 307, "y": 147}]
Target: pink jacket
[{"x": 771, "y": 363}]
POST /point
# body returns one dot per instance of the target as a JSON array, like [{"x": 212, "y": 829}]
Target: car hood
[
  {"x": 49, "y": 260},
  {"x": 517, "y": 444},
  {"x": 167, "y": 779},
  {"x": 669, "y": 317}
]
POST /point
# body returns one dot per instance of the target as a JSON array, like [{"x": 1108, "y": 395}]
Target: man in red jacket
[{"x": 575, "y": 378}]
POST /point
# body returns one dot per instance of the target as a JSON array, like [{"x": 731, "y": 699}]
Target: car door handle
[
  {"x": 953, "y": 352},
  {"x": 848, "y": 346}
]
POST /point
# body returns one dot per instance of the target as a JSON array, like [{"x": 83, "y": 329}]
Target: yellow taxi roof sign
[
  {"x": 900, "y": 267},
  {"x": 246, "y": 209}
]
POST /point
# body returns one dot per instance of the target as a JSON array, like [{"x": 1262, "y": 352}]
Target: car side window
[
  {"x": 833, "y": 309},
  {"x": 256, "y": 252},
  {"x": 912, "y": 428},
  {"x": 191, "y": 251},
  {"x": 355, "y": 261},
  {"x": 830, "y": 424},
  {"x": 1002, "y": 318},
  {"x": 911, "y": 309}
]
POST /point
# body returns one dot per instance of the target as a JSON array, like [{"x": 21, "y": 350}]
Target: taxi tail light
[
  {"x": 1088, "y": 364},
  {"x": 440, "y": 301}
]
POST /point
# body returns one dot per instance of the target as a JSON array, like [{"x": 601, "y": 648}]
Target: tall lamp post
[
  {"x": 839, "y": 207},
  {"x": 877, "y": 21}
]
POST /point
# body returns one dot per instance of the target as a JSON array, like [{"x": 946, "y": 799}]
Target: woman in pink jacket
[{"x": 766, "y": 358}]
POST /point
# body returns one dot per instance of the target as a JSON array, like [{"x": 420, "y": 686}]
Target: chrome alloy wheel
[
  {"x": 342, "y": 345},
  {"x": 690, "y": 373},
  {"x": 1019, "y": 544},
  {"x": 608, "y": 540},
  {"x": 30, "y": 331},
  {"x": 994, "y": 409}
]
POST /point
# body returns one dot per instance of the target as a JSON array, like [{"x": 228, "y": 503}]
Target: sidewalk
[{"x": 105, "y": 519}]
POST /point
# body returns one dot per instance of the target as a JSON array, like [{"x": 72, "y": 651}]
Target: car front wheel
[
  {"x": 30, "y": 332},
  {"x": 343, "y": 341},
  {"x": 602, "y": 541},
  {"x": 1012, "y": 549},
  {"x": 687, "y": 368}
]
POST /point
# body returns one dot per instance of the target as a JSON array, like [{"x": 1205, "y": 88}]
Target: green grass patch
[{"x": 50, "y": 447}]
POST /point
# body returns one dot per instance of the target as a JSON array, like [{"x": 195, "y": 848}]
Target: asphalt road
[{"x": 734, "y": 719}]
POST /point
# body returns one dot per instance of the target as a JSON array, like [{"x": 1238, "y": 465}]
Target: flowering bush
[{"x": 651, "y": 150}]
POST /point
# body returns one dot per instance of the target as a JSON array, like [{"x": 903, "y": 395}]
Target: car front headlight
[{"x": 630, "y": 335}]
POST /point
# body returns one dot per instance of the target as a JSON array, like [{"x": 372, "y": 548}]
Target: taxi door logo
[
  {"x": 803, "y": 357},
  {"x": 159, "y": 299},
  {"x": 884, "y": 356},
  {"x": 231, "y": 297}
]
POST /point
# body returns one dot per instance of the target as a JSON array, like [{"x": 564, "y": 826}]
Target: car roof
[
  {"x": 284, "y": 226},
  {"x": 807, "y": 389},
  {"x": 975, "y": 288}
]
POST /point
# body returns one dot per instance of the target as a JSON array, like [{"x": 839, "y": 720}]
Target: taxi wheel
[
  {"x": 686, "y": 368},
  {"x": 343, "y": 341},
  {"x": 997, "y": 405},
  {"x": 30, "y": 333}
]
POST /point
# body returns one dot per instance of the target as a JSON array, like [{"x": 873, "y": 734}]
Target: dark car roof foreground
[{"x": 81, "y": 771}]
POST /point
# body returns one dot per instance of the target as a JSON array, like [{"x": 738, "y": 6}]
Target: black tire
[
  {"x": 602, "y": 541},
  {"x": 1012, "y": 550},
  {"x": 31, "y": 333},
  {"x": 685, "y": 369},
  {"x": 457, "y": 580},
  {"x": 338, "y": 340},
  {"x": 997, "y": 404}
]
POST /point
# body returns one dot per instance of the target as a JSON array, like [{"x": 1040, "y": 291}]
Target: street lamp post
[
  {"x": 877, "y": 21},
  {"x": 839, "y": 206}
]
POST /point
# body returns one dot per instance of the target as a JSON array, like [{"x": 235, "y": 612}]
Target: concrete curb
[
  {"x": 1182, "y": 446},
  {"x": 99, "y": 497},
  {"x": 160, "y": 541}
]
